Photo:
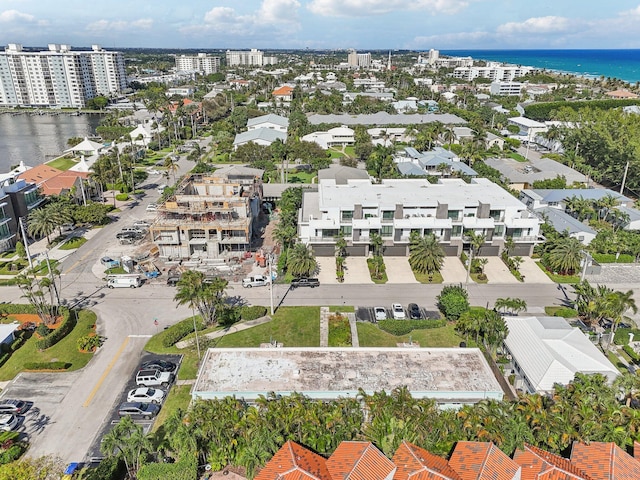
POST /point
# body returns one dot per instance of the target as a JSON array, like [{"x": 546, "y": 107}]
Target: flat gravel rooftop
[{"x": 440, "y": 373}]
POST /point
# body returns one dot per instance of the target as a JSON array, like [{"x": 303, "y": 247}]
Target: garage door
[
  {"x": 324, "y": 250},
  {"x": 357, "y": 251},
  {"x": 522, "y": 250},
  {"x": 450, "y": 251},
  {"x": 488, "y": 251},
  {"x": 395, "y": 251}
]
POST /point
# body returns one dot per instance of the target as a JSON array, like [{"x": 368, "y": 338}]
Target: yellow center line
[
  {"x": 106, "y": 372},
  {"x": 78, "y": 262}
]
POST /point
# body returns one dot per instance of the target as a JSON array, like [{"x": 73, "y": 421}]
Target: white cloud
[
  {"x": 449, "y": 39},
  {"x": 11, "y": 16},
  {"x": 536, "y": 25},
  {"x": 120, "y": 25},
  {"x": 349, "y": 8}
]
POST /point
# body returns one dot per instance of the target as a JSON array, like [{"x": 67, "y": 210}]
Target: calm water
[
  {"x": 621, "y": 64},
  {"x": 39, "y": 138}
]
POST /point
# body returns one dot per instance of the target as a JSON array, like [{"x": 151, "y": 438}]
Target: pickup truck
[
  {"x": 256, "y": 281},
  {"x": 305, "y": 282}
]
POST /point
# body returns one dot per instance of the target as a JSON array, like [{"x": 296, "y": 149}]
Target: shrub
[
  {"x": 565, "y": 312},
  {"x": 253, "y": 312},
  {"x": 403, "y": 327},
  {"x": 611, "y": 258},
  {"x": 184, "y": 469},
  {"x": 12, "y": 453},
  {"x": 632, "y": 353},
  {"x": 10, "y": 308},
  {"x": 46, "y": 365},
  {"x": 111, "y": 468},
  {"x": 621, "y": 336},
  {"x": 43, "y": 330},
  {"x": 67, "y": 325},
  {"x": 227, "y": 316},
  {"x": 453, "y": 301},
  {"x": 180, "y": 330},
  {"x": 121, "y": 197},
  {"x": 88, "y": 343}
]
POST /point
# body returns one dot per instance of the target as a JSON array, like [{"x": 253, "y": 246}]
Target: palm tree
[
  {"x": 566, "y": 256},
  {"x": 426, "y": 256},
  {"x": 376, "y": 242},
  {"x": 200, "y": 293},
  {"x": 43, "y": 221},
  {"x": 127, "y": 442},
  {"x": 300, "y": 261},
  {"x": 172, "y": 167},
  {"x": 619, "y": 304}
]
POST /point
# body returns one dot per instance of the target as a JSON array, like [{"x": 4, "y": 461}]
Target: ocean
[{"x": 621, "y": 64}]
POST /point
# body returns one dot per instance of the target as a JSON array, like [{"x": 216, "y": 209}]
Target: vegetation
[
  {"x": 426, "y": 255},
  {"x": 511, "y": 305},
  {"x": 200, "y": 293},
  {"x": 487, "y": 327},
  {"x": 339, "y": 331},
  {"x": 403, "y": 327},
  {"x": 453, "y": 301},
  {"x": 300, "y": 261}
]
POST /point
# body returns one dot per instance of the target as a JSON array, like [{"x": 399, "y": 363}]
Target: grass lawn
[
  {"x": 65, "y": 350},
  {"x": 13, "y": 268},
  {"x": 335, "y": 153},
  {"x": 516, "y": 156},
  {"x": 382, "y": 278},
  {"x": 291, "y": 326},
  {"x": 350, "y": 151},
  {"x": 339, "y": 331},
  {"x": 560, "y": 278},
  {"x": 73, "y": 243},
  {"x": 178, "y": 398},
  {"x": 62, "y": 163},
  {"x": 301, "y": 177},
  {"x": 7, "y": 282},
  {"x": 613, "y": 358},
  {"x": 369, "y": 335},
  {"x": 43, "y": 268},
  {"x": 343, "y": 308},
  {"x": 115, "y": 271},
  {"x": 424, "y": 278}
]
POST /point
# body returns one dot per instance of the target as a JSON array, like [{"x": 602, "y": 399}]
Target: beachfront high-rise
[
  {"x": 59, "y": 77},
  {"x": 202, "y": 63},
  {"x": 253, "y": 57}
]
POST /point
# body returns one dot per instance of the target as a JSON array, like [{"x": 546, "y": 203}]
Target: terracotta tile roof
[
  {"x": 294, "y": 462},
  {"x": 547, "y": 466},
  {"x": 621, "y": 94},
  {"x": 482, "y": 461},
  {"x": 636, "y": 449},
  {"x": 415, "y": 463},
  {"x": 39, "y": 174},
  {"x": 359, "y": 461},
  {"x": 283, "y": 91},
  {"x": 605, "y": 461}
]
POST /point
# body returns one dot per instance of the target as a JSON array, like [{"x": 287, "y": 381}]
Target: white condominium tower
[
  {"x": 251, "y": 57},
  {"x": 59, "y": 77},
  {"x": 202, "y": 63}
]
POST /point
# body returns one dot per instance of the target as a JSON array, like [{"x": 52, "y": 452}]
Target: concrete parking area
[
  {"x": 356, "y": 271},
  {"x": 497, "y": 272},
  {"x": 399, "y": 270},
  {"x": 453, "y": 271},
  {"x": 327, "y": 270},
  {"x": 532, "y": 272}
]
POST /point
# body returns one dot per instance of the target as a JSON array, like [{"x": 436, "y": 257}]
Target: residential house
[
  {"x": 294, "y": 461},
  {"x": 87, "y": 148},
  {"x": 483, "y": 460},
  {"x": 283, "y": 94},
  {"x": 383, "y": 118},
  {"x": 557, "y": 198},
  {"x": 546, "y": 351},
  {"x": 338, "y": 136},
  {"x": 561, "y": 221},
  {"x": 271, "y": 121},
  {"x": 437, "y": 162},
  {"x": 621, "y": 94},
  {"x": 183, "y": 91},
  {"x": 605, "y": 461},
  {"x": 538, "y": 464},
  {"x": 631, "y": 219},
  {"x": 387, "y": 136},
  {"x": 529, "y": 129},
  {"x": 358, "y": 460},
  {"x": 260, "y": 136},
  {"x": 395, "y": 208},
  {"x": 210, "y": 215},
  {"x": 415, "y": 463},
  {"x": 521, "y": 176}
]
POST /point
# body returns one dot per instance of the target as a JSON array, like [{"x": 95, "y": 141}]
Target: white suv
[{"x": 153, "y": 378}]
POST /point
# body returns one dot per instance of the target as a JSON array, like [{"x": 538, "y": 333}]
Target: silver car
[{"x": 146, "y": 395}]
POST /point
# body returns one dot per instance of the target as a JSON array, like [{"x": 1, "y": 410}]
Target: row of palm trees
[
  {"x": 228, "y": 431},
  {"x": 595, "y": 303}
]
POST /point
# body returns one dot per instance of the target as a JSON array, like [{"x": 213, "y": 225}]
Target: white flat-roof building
[
  {"x": 528, "y": 128},
  {"x": 59, "y": 77},
  {"x": 253, "y": 57},
  {"x": 547, "y": 350},
  {"x": 451, "y": 376},
  {"x": 261, "y": 136},
  {"x": 340, "y": 136},
  {"x": 201, "y": 63},
  {"x": 493, "y": 71},
  {"x": 397, "y": 207},
  {"x": 512, "y": 89}
]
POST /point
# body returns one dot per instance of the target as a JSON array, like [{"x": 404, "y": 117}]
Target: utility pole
[
  {"x": 624, "y": 178},
  {"x": 26, "y": 242},
  {"x": 51, "y": 277}
]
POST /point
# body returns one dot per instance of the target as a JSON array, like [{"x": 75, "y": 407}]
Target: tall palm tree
[
  {"x": 621, "y": 303},
  {"x": 126, "y": 441},
  {"x": 301, "y": 261},
  {"x": 426, "y": 255},
  {"x": 43, "y": 221},
  {"x": 200, "y": 293}
]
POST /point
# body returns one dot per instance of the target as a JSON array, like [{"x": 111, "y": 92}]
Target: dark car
[
  {"x": 414, "y": 311},
  {"x": 305, "y": 282},
  {"x": 128, "y": 235},
  {"x": 138, "y": 410},
  {"x": 16, "y": 407},
  {"x": 161, "y": 365}
]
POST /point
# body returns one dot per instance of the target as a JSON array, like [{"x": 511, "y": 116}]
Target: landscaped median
[{"x": 57, "y": 350}]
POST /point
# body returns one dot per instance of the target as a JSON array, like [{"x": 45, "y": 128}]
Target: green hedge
[
  {"x": 565, "y": 312},
  {"x": 253, "y": 312},
  {"x": 46, "y": 365},
  {"x": 611, "y": 258},
  {"x": 180, "y": 330},
  {"x": 10, "y": 308},
  {"x": 632, "y": 353},
  {"x": 403, "y": 327},
  {"x": 542, "y": 111},
  {"x": 621, "y": 336},
  {"x": 12, "y": 453},
  {"x": 68, "y": 324},
  {"x": 185, "y": 469}
]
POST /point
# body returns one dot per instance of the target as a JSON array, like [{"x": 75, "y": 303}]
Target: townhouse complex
[
  {"x": 493, "y": 71},
  {"x": 210, "y": 214},
  {"x": 395, "y": 208},
  {"x": 59, "y": 77}
]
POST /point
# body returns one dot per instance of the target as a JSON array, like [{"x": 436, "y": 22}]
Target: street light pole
[
  {"x": 271, "y": 281},
  {"x": 195, "y": 329}
]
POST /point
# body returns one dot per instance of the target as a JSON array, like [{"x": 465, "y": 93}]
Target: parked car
[
  {"x": 8, "y": 422},
  {"x": 146, "y": 395},
  {"x": 13, "y": 406},
  {"x": 173, "y": 278},
  {"x": 129, "y": 235},
  {"x": 109, "y": 262},
  {"x": 398, "y": 311},
  {"x": 161, "y": 365},
  {"x": 152, "y": 207},
  {"x": 134, "y": 229},
  {"x": 138, "y": 410},
  {"x": 141, "y": 224},
  {"x": 414, "y": 311},
  {"x": 305, "y": 282},
  {"x": 255, "y": 281},
  {"x": 153, "y": 378},
  {"x": 380, "y": 313}
]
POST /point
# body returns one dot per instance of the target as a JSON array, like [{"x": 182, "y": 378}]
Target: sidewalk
[{"x": 238, "y": 327}]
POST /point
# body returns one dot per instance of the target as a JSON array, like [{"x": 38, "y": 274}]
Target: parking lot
[
  {"x": 113, "y": 418},
  {"x": 367, "y": 314}
]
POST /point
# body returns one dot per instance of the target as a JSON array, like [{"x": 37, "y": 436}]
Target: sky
[{"x": 323, "y": 24}]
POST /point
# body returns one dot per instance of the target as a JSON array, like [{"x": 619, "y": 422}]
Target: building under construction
[{"x": 210, "y": 215}]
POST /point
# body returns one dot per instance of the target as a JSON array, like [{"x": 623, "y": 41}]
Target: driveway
[
  {"x": 453, "y": 271},
  {"x": 532, "y": 272},
  {"x": 326, "y": 270},
  {"x": 399, "y": 270},
  {"x": 357, "y": 271},
  {"x": 497, "y": 271}
]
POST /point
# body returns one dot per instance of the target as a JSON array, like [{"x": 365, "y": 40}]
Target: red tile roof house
[
  {"x": 606, "y": 461},
  {"x": 538, "y": 464},
  {"x": 483, "y": 461},
  {"x": 283, "y": 94},
  {"x": 294, "y": 462},
  {"x": 359, "y": 461},
  {"x": 415, "y": 463}
]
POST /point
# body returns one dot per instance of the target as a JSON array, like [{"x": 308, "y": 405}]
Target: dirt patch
[{"x": 27, "y": 318}]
